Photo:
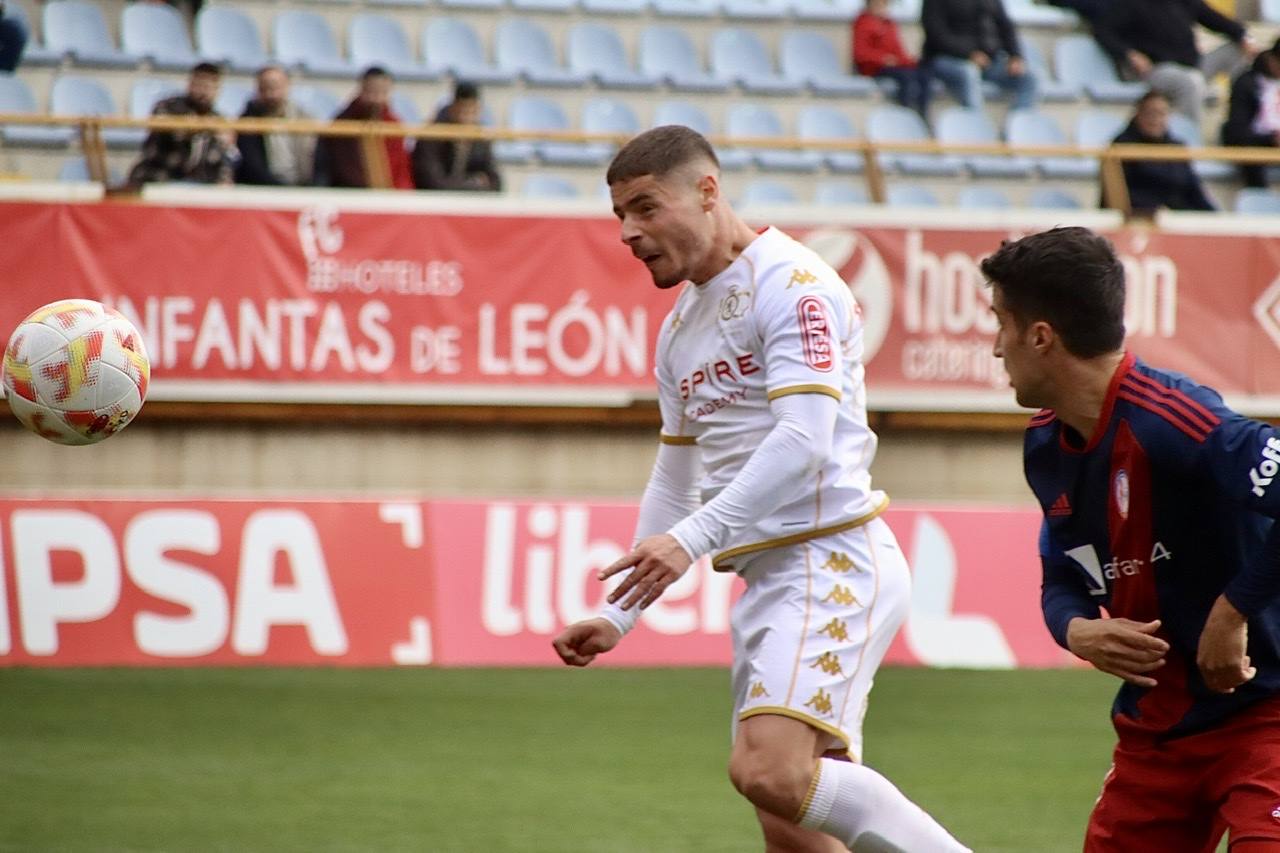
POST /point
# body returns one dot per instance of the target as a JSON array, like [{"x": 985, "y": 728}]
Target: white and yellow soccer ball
[{"x": 75, "y": 371}]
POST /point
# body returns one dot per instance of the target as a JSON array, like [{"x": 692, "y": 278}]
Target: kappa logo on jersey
[
  {"x": 801, "y": 277},
  {"x": 815, "y": 332},
  {"x": 821, "y": 702},
  {"x": 758, "y": 690},
  {"x": 828, "y": 663},
  {"x": 838, "y": 562},
  {"x": 1265, "y": 471},
  {"x": 1121, "y": 491}
]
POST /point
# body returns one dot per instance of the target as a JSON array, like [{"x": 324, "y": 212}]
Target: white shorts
[{"x": 813, "y": 625}]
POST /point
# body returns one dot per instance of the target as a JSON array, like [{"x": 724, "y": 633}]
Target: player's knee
[{"x": 776, "y": 783}]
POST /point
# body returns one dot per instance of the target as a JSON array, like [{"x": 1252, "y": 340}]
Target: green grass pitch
[{"x": 549, "y": 760}]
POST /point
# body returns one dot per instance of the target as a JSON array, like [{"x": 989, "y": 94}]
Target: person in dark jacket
[
  {"x": 274, "y": 159},
  {"x": 878, "y": 52},
  {"x": 1156, "y": 184},
  {"x": 1155, "y": 41},
  {"x": 202, "y": 156},
  {"x": 13, "y": 40},
  {"x": 969, "y": 41},
  {"x": 1253, "y": 118},
  {"x": 340, "y": 159},
  {"x": 457, "y": 164}
]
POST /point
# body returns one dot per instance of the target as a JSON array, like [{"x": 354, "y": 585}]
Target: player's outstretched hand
[
  {"x": 659, "y": 562},
  {"x": 579, "y": 643},
  {"x": 1120, "y": 647},
  {"x": 1222, "y": 656}
]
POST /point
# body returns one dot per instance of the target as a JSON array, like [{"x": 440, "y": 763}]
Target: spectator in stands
[
  {"x": 202, "y": 156},
  {"x": 1253, "y": 118},
  {"x": 969, "y": 41},
  {"x": 457, "y": 164},
  {"x": 340, "y": 160},
  {"x": 13, "y": 41},
  {"x": 1156, "y": 184},
  {"x": 277, "y": 159},
  {"x": 1154, "y": 41},
  {"x": 878, "y": 52},
  {"x": 1090, "y": 10}
]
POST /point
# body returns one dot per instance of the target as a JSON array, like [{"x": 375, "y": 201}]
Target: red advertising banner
[
  {"x": 320, "y": 303},
  {"x": 361, "y": 583}
]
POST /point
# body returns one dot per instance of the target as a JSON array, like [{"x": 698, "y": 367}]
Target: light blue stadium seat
[
  {"x": 755, "y": 10},
  {"x": 82, "y": 96},
  {"x": 1052, "y": 198},
  {"x": 1027, "y": 13},
  {"x": 405, "y": 107},
  {"x": 146, "y": 92},
  {"x": 1031, "y": 127},
  {"x": 1051, "y": 89},
  {"x": 828, "y": 123},
  {"x": 78, "y": 28},
  {"x": 738, "y": 56},
  {"x": 596, "y": 51},
  {"x": 982, "y": 198},
  {"x": 233, "y": 96},
  {"x": 541, "y": 185},
  {"x": 746, "y": 120},
  {"x": 35, "y": 53},
  {"x": 76, "y": 169},
  {"x": 615, "y": 7},
  {"x": 899, "y": 124},
  {"x": 304, "y": 40},
  {"x": 690, "y": 115},
  {"x": 667, "y": 53},
  {"x": 765, "y": 191},
  {"x": 451, "y": 46},
  {"x": 607, "y": 115},
  {"x": 522, "y": 47},
  {"x": 1185, "y": 130},
  {"x": 16, "y": 97},
  {"x": 380, "y": 40},
  {"x": 533, "y": 112},
  {"x": 810, "y": 59},
  {"x": 157, "y": 33},
  {"x": 839, "y": 192},
  {"x": 1095, "y": 129},
  {"x": 471, "y": 4},
  {"x": 957, "y": 125},
  {"x": 687, "y": 8},
  {"x": 833, "y": 11},
  {"x": 227, "y": 35},
  {"x": 543, "y": 5},
  {"x": 316, "y": 102},
  {"x": 401, "y": 3},
  {"x": 910, "y": 195},
  {"x": 1270, "y": 11},
  {"x": 1257, "y": 201},
  {"x": 1080, "y": 61}
]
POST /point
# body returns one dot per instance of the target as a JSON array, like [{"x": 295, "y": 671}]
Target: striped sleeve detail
[
  {"x": 1187, "y": 407},
  {"x": 1195, "y": 432},
  {"x": 676, "y": 439},
  {"x": 805, "y": 389}
]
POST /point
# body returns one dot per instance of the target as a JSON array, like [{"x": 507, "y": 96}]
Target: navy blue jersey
[{"x": 1168, "y": 505}]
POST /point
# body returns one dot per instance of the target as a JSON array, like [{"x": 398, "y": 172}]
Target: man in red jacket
[
  {"x": 339, "y": 159},
  {"x": 877, "y": 52}
]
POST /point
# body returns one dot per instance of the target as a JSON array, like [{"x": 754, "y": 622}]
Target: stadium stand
[
  {"x": 79, "y": 30},
  {"x": 982, "y": 198},
  {"x": 766, "y": 191},
  {"x": 595, "y": 52},
  {"x": 838, "y": 193},
  {"x": 1257, "y": 201},
  {"x": 229, "y": 36},
  {"x": 380, "y": 40},
  {"x": 156, "y": 34}
]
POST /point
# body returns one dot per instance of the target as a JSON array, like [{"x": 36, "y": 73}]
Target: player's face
[
  {"x": 665, "y": 223},
  {"x": 1021, "y": 361}
]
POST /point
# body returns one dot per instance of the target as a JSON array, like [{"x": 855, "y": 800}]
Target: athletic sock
[{"x": 864, "y": 810}]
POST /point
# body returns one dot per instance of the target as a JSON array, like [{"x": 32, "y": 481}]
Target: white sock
[{"x": 864, "y": 810}]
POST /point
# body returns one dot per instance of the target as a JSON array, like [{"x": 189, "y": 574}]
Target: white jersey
[{"x": 776, "y": 321}]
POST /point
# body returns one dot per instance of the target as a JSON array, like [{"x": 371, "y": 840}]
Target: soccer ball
[{"x": 75, "y": 372}]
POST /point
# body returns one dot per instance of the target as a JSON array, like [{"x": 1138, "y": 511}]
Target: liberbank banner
[
  {"x": 484, "y": 583},
  {"x": 321, "y": 304}
]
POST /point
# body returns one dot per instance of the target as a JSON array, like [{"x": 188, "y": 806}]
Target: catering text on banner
[
  {"x": 325, "y": 304},
  {"x": 370, "y": 583}
]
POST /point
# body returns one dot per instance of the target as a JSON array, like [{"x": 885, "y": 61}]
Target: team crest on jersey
[
  {"x": 815, "y": 333},
  {"x": 1120, "y": 489},
  {"x": 735, "y": 304}
]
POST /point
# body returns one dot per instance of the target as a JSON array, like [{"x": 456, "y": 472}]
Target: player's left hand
[
  {"x": 1221, "y": 655},
  {"x": 659, "y": 562}
]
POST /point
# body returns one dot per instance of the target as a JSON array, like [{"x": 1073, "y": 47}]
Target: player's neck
[
  {"x": 1082, "y": 390},
  {"x": 736, "y": 236}
]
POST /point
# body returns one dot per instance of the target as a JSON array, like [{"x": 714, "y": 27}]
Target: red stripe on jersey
[
  {"x": 1165, "y": 391},
  {"x": 1152, "y": 406},
  {"x": 1174, "y": 400},
  {"x": 1108, "y": 406},
  {"x": 1190, "y": 418},
  {"x": 1043, "y": 417}
]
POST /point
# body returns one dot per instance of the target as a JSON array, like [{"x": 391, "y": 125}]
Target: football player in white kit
[{"x": 763, "y": 464}]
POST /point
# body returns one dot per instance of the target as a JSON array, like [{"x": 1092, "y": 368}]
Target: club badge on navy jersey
[{"x": 1120, "y": 489}]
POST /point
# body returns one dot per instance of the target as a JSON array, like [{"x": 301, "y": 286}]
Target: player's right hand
[
  {"x": 1119, "y": 647},
  {"x": 579, "y": 643}
]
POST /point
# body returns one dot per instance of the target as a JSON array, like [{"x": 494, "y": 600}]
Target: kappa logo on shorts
[
  {"x": 838, "y": 562},
  {"x": 828, "y": 663},
  {"x": 820, "y": 702},
  {"x": 758, "y": 690},
  {"x": 815, "y": 333},
  {"x": 841, "y": 595},
  {"x": 836, "y": 630}
]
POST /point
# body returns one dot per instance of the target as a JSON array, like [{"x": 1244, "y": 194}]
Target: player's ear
[
  {"x": 708, "y": 191},
  {"x": 1041, "y": 336}
]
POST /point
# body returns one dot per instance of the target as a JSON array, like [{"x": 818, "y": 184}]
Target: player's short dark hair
[
  {"x": 465, "y": 90},
  {"x": 206, "y": 68},
  {"x": 659, "y": 152},
  {"x": 374, "y": 71},
  {"x": 1067, "y": 277},
  {"x": 1148, "y": 96}
]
